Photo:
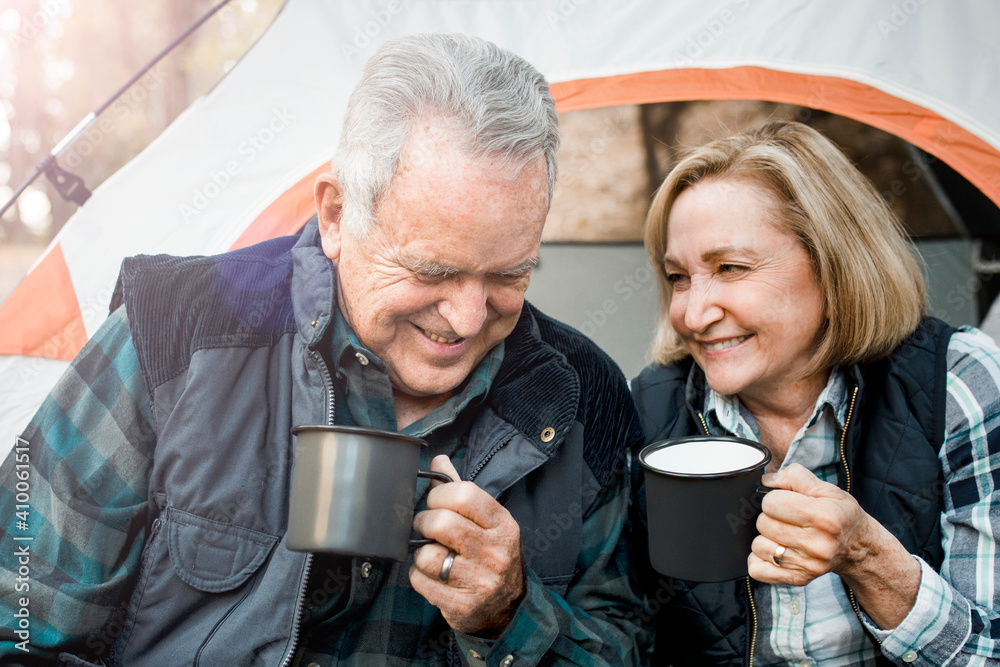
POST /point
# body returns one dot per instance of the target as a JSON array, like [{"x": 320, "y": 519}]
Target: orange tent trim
[
  {"x": 42, "y": 317},
  {"x": 286, "y": 214},
  {"x": 976, "y": 160}
]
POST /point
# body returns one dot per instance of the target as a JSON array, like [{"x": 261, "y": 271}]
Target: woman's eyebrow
[{"x": 716, "y": 254}]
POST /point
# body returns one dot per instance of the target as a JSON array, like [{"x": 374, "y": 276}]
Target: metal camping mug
[
  {"x": 353, "y": 490},
  {"x": 703, "y": 496}
]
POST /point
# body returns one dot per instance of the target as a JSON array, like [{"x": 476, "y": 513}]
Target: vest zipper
[
  {"x": 843, "y": 441},
  {"x": 703, "y": 424},
  {"x": 753, "y": 607},
  {"x": 300, "y": 601},
  {"x": 753, "y": 621},
  {"x": 847, "y": 478},
  {"x": 299, "y": 605},
  {"x": 482, "y": 464},
  {"x": 328, "y": 383}
]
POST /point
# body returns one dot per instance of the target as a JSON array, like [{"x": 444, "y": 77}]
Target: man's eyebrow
[
  {"x": 428, "y": 267},
  {"x": 522, "y": 269}
]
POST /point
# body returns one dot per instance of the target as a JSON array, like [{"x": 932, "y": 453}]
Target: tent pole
[{"x": 68, "y": 185}]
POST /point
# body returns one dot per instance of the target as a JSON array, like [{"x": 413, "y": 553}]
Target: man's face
[{"x": 440, "y": 279}]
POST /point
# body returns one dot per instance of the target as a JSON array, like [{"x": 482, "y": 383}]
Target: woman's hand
[{"x": 823, "y": 529}]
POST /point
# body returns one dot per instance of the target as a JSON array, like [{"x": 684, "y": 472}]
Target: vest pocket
[
  {"x": 213, "y": 556},
  {"x": 195, "y": 576}
]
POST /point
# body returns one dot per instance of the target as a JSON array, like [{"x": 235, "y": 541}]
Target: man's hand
[{"x": 486, "y": 583}]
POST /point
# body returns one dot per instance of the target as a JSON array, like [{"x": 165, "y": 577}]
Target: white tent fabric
[{"x": 236, "y": 166}]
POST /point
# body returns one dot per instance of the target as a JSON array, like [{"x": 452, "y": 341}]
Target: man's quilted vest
[{"x": 228, "y": 348}]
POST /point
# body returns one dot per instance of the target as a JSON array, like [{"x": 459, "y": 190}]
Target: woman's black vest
[{"x": 892, "y": 442}]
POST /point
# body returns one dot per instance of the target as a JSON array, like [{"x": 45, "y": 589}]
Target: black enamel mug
[{"x": 703, "y": 496}]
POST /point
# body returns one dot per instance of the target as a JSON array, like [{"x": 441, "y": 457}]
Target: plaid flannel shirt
[
  {"x": 955, "y": 620},
  {"x": 89, "y": 451}
]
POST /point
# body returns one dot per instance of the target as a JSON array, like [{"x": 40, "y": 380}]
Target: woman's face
[{"x": 746, "y": 298}]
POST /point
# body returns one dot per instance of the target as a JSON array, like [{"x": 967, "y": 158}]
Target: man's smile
[{"x": 440, "y": 339}]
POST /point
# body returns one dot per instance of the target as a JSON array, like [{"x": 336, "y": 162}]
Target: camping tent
[{"x": 237, "y": 166}]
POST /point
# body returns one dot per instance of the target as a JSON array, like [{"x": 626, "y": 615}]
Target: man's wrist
[{"x": 503, "y": 619}]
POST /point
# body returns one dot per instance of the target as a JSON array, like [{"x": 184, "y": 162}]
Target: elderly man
[{"x": 160, "y": 465}]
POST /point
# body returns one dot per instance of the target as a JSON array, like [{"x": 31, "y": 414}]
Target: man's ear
[{"x": 329, "y": 207}]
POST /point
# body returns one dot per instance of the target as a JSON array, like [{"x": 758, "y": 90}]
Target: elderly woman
[{"x": 793, "y": 315}]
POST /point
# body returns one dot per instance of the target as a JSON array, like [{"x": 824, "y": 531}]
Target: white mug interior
[{"x": 704, "y": 457}]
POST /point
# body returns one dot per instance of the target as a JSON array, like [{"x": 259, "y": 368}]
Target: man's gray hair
[{"x": 498, "y": 104}]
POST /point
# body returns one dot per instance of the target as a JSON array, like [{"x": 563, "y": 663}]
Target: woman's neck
[{"x": 781, "y": 414}]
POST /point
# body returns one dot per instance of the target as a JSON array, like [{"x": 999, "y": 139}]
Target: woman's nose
[{"x": 701, "y": 308}]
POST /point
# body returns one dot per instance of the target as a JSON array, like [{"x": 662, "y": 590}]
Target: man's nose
[
  {"x": 465, "y": 308},
  {"x": 702, "y": 308}
]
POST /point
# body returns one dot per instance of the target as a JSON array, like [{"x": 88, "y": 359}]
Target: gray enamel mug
[
  {"x": 353, "y": 491},
  {"x": 703, "y": 496}
]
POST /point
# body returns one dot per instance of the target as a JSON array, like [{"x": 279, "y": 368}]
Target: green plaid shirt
[{"x": 87, "y": 468}]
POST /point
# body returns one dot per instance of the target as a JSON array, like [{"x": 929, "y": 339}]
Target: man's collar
[
  {"x": 345, "y": 346},
  {"x": 314, "y": 285},
  {"x": 536, "y": 388}
]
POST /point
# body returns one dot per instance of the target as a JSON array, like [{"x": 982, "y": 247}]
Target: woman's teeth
[{"x": 724, "y": 344}]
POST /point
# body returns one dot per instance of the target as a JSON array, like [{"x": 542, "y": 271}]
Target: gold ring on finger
[{"x": 779, "y": 553}]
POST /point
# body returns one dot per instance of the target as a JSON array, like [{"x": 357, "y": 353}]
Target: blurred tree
[{"x": 61, "y": 59}]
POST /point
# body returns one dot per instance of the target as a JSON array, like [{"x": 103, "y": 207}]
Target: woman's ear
[{"x": 329, "y": 207}]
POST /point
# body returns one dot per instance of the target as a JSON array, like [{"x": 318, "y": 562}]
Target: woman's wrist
[{"x": 884, "y": 577}]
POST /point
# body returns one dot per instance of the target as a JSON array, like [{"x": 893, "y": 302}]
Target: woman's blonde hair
[{"x": 866, "y": 265}]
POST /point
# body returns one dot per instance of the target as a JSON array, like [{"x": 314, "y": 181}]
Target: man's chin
[{"x": 428, "y": 388}]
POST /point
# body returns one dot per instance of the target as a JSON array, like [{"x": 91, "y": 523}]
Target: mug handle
[{"x": 441, "y": 477}]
